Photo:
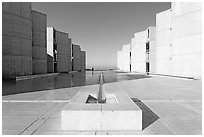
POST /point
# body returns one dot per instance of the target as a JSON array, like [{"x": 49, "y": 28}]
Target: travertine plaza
[
  {"x": 172, "y": 47},
  {"x": 156, "y": 88}
]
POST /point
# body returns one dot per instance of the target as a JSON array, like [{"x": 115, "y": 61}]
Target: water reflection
[{"x": 64, "y": 80}]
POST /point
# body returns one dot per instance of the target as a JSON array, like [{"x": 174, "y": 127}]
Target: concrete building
[
  {"x": 179, "y": 40},
  {"x": 58, "y": 50},
  {"x": 119, "y": 60},
  {"x": 163, "y": 43},
  {"x": 39, "y": 40},
  {"x": 143, "y": 51},
  {"x": 151, "y": 50},
  {"x": 187, "y": 39},
  {"x": 50, "y": 50},
  {"x": 124, "y": 57},
  {"x": 76, "y": 52},
  {"x": 63, "y": 52},
  {"x": 83, "y": 61},
  {"x": 177, "y": 48},
  {"x": 16, "y": 39}
]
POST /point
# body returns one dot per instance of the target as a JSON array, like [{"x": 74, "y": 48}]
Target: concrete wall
[
  {"x": 50, "y": 44},
  {"x": 138, "y": 52},
  {"x": 63, "y": 52},
  {"x": 119, "y": 60},
  {"x": 126, "y": 57},
  {"x": 16, "y": 39},
  {"x": 187, "y": 39},
  {"x": 83, "y": 61},
  {"x": 76, "y": 57},
  {"x": 152, "y": 49},
  {"x": 179, "y": 40},
  {"x": 39, "y": 47},
  {"x": 163, "y": 43}
]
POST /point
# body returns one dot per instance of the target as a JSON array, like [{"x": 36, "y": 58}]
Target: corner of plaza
[{"x": 45, "y": 78}]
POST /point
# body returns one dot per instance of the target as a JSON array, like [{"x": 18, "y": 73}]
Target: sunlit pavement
[{"x": 169, "y": 105}]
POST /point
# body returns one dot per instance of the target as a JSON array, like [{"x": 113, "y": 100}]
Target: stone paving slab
[{"x": 176, "y": 102}]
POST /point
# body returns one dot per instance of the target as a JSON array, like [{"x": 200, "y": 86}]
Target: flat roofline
[
  {"x": 163, "y": 11},
  {"x": 38, "y": 12},
  {"x": 59, "y": 30}
]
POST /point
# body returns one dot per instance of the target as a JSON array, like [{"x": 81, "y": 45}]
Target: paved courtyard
[{"x": 169, "y": 105}]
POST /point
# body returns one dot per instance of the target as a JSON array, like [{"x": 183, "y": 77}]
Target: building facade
[
  {"x": 179, "y": 40},
  {"x": 124, "y": 58},
  {"x": 83, "y": 61},
  {"x": 39, "y": 40},
  {"x": 173, "y": 47},
  {"x": 16, "y": 39},
  {"x": 58, "y": 50},
  {"x": 76, "y": 53}
]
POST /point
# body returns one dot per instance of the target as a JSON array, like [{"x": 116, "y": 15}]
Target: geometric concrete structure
[
  {"x": 76, "y": 53},
  {"x": 16, "y": 39},
  {"x": 163, "y": 43},
  {"x": 143, "y": 51},
  {"x": 50, "y": 49},
  {"x": 83, "y": 61},
  {"x": 177, "y": 48},
  {"x": 123, "y": 58},
  {"x": 121, "y": 114},
  {"x": 58, "y": 50},
  {"x": 151, "y": 50},
  {"x": 126, "y": 51},
  {"x": 101, "y": 111},
  {"x": 63, "y": 44},
  {"x": 179, "y": 40},
  {"x": 138, "y": 51},
  {"x": 39, "y": 47},
  {"x": 119, "y": 60},
  {"x": 186, "y": 39}
]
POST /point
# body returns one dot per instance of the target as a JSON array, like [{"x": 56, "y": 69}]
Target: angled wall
[
  {"x": 76, "y": 50},
  {"x": 39, "y": 46},
  {"x": 50, "y": 49},
  {"x": 126, "y": 57},
  {"x": 83, "y": 61},
  {"x": 164, "y": 43},
  {"x": 138, "y": 51},
  {"x": 16, "y": 39},
  {"x": 119, "y": 60},
  {"x": 151, "y": 52},
  {"x": 63, "y": 52},
  {"x": 187, "y": 39}
]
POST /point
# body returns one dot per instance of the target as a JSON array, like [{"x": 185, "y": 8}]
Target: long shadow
[{"x": 148, "y": 116}]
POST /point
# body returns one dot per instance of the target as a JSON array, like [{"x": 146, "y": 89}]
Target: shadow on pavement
[{"x": 148, "y": 116}]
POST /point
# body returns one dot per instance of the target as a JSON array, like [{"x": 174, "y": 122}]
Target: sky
[{"x": 101, "y": 29}]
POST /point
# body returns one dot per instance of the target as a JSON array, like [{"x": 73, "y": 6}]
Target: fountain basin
[{"x": 118, "y": 113}]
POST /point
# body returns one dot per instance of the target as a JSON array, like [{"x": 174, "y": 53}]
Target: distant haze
[{"x": 101, "y": 28}]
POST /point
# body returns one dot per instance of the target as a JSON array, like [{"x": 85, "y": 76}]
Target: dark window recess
[
  {"x": 72, "y": 51},
  {"x": 55, "y": 67},
  {"x": 54, "y": 34},
  {"x": 130, "y": 54},
  {"x": 130, "y": 67},
  {"x": 55, "y": 57},
  {"x": 147, "y": 66},
  {"x": 148, "y": 33},
  {"x": 147, "y": 47},
  {"x": 72, "y": 65}
]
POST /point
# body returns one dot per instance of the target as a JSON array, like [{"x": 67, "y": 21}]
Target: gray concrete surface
[{"x": 170, "y": 106}]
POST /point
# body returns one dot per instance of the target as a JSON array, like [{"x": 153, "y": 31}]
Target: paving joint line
[{"x": 27, "y": 131}]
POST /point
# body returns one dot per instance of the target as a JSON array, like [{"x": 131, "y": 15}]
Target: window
[{"x": 147, "y": 47}]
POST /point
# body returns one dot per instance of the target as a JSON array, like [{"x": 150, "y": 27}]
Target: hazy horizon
[{"x": 101, "y": 28}]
